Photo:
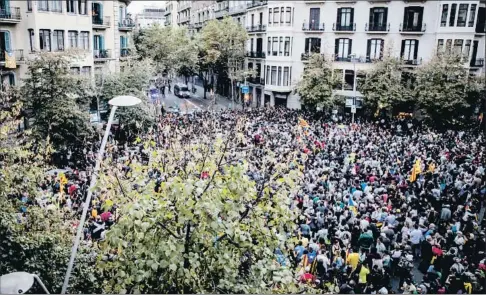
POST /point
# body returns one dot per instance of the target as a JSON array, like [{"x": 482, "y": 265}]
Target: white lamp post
[
  {"x": 353, "y": 58},
  {"x": 119, "y": 101},
  {"x": 19, "y": 283}
]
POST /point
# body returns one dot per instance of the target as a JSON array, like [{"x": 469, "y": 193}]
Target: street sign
[
  {"x": 353, "y": 109},
  {"x": 245, "y": 89},
  {"x": 349, "y": 102}
]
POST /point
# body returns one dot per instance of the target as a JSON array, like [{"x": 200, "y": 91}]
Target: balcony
[
  {"x": 198, "y": 25},
  {"x": 100, "y": 22},
  {"x": 344, "y": 28},
  {"x": 477, "y": 63},
  {"x": 313, "y": 27},
  {"x": 254, "y": 4},
  {"x": 101, "y": 54},
  {"x": 256, "y": 80},
  {"x": 17, "y": 53},
  {"x": 237, "y": 10},
  {"x": 184, "y": 7},
  {"x": 126, "y": 24},
  {"x": 256, "y": 28},
  {"x": 412, "y": 62},
  {"x": 221, "y": 13},
  {"x": 305, "y": 56},
  {"x": 126, "y": 53},
  {"x": 255, "y": 54},
  {"x": 412, "y": 29},
  {"x": 377, "y": 28},
  {"x": 10, "y": 15}
]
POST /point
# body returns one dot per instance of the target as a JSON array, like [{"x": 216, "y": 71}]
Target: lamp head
[
  {"x": 16, "y": 283},
  {"x": 124, "y": 101}
]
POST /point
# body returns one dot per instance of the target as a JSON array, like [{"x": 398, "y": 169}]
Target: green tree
[
  {"x": 35, "y": 241},
  {"x": 446, "y": 91},
  {"x": 208, "y": 228},
  {"x": 383, "y": 87},
  {"x": 134, "y": 80},
  {"x": 316, "y": 85},
  {"x": 223, "y": 50},
  {"x": 57, "y": 100}
]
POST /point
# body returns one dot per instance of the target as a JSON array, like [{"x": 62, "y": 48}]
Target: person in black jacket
[{"x": 426, "y": 254}]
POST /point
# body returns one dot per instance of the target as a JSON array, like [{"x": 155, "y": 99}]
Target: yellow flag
[
  {"x": 303, "y": 123},
  {"x": 431, "y": 167},
  {"x": 10, "y": 62},
  {"x": 416, "y": 170}
]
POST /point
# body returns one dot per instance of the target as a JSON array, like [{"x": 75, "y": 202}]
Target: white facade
[
  {"x": 101, "y": 28},
  {"x": 149, "y": 16}
]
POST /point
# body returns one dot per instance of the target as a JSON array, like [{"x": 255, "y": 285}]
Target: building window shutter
[
  {"x": 403, "y": 49},
  {"x": 338, "y": 19},
  {"x": 368, "y": 49},
  {"x": 336, "y": 47},
  {"x": 371, "y": 17},
  {"x": 385, "y": 17},
  {"x": 101, "y": 11},
  {"x": 415, "y": 53},
  {"x": 102, "y": 43},
  {"x": 350, "y": 48},
  {"x": 382, "y": 48},
  {"x": 306, "y": 45},
  {"x": 351, "y": 19},
  {"x": 7, "y": 42}
]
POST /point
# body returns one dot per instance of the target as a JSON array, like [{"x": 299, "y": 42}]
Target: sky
[{"x": 137, "y": 5}]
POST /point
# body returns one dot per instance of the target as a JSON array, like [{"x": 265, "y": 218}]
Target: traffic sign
[
  {"x": 245, "y": 89},
  {"x": 353, "y": 109}
]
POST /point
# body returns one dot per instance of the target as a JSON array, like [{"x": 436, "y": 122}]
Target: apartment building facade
[
  {"x": 100, "y": 28},
  {"x": 353, "y": 34},
  {"x": 149, "y": 16}
]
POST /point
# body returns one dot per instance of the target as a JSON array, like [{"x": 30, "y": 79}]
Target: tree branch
[{"x": 168, "y": 230}]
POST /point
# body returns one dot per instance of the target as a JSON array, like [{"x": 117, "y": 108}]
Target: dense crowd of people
[{"x": 385, "y": 207}]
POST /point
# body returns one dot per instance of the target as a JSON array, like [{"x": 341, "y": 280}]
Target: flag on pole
[
  {"x": 352, "y": 206},
  {"x": 416, "y": 170}
]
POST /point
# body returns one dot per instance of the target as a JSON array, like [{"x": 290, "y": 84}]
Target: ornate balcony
[
  {"x": 344, "y": 28},
  {"x": 10, "y": 15},
  {"x": 256, "y": 28},
  {"x": 313, "y": 27}
]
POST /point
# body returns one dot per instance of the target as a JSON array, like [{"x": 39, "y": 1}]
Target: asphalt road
[{"x": 195, "y": 103}]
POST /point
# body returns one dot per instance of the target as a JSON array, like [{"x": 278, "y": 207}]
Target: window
[
  {"x": 75, "y": 70},
  {"x": 282, "y": 15},
  {"x": 375, "y": 49},
  {"x": 275, "y": 46},
  {"x": 287, "y": 46},
  {"x": 462, "y": 15},
  {"x": 270, "y": 16},
  {"x": 56, "y": 5},
  {"x": 345, "y": 18},
  {"x": 58, "y": 40},
  {"x": 458, "y": 46},
  {"x": 343, "y": 49},
  {"x": 312, "y": 45},
  {"x": 84, "y": 40},
  {"x": 348, "y": 79},
  {"x": 412, "y": 19},
  {"x": 29, "y": 5},
  {"x": 73, "y": 39},
  {"x": 440, "y": 45},
  {"x": 443, "y": 19},
  {"x": 252, "y": 20},
  {"x": 279, "y": 77},
  {"x": 409, "y": 49},
  {"x": 452, "y": 17},
  {"x": 448, "y": 48},
  {"x": 251, "y": 44},
  {"x": 274, "y": 76},
  {"x": 378, "y": 18},
  {"x": 82, "y": 7},
  {"x": 85, "y": 71},
  {"x": 467, "y": 48},
  {"x": 43, "y": 5},
  {"x": 280, "y": 46},
  {"x": 269, "y": 46},
  {"x": 275, "y": 15},
  {"x": 286, "y": 76},
  {"x": 314, "y": 18},
  {"x": 70, "y": 8},
  {"x": 288, "y": 15},
  {"x": 472, "y": 15},
  {"x": 31, "y": 40},
  {"x": 268, "y": 75},
  {"x": 45, "y": 40}
]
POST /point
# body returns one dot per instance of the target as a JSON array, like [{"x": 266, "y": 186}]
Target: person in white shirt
[{"x": 416, "y": 237}]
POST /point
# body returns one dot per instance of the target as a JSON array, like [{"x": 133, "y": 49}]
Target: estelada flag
[
  {"x": 10, "y": 60},
  {"x": 416, "y": 170},
  {"x": 303, "y": 123}
]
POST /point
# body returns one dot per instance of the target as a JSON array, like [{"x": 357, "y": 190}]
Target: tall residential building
[
  {"x": 101, "y": 28},
  {"x": 354, "y": 33},
  {"x": 171, "y": 8},
  {"x": 150, "y": 15}
]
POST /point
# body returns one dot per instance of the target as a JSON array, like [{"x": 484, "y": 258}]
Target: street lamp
[
  {"x": 353, "y": 58},
  {"x": 19, "y": 283},
  {"x": 119, "y": 101}
]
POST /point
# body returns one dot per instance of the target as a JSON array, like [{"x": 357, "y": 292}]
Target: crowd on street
[{"x": 381, "y": 201}]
